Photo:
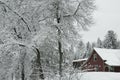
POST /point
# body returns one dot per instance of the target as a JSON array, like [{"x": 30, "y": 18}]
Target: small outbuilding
[{"x": 77, "y": 63}]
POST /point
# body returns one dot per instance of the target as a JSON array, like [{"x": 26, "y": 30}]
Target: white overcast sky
[{"x": 106, "y": 17}]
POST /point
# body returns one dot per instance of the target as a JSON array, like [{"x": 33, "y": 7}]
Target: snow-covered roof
[
  {"x": 79, "y": 60},
  {"x": 112, "y": 56},
  {"x": 99, "y": 76}
]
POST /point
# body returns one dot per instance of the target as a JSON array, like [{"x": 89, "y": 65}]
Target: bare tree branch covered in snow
[{"x": 38, "y": 35}]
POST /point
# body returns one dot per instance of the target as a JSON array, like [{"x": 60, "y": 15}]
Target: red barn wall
[
  {"x": 117, "y": 69},
  {"x": 91, "y": 64}
]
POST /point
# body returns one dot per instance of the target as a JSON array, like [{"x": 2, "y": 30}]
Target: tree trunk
[
  {"x": 59, "y": 39},
  {"x": 23, "y": 72},
  {"x": 12, "y": 76},
  {"x": 22, "y": 66},
  {"x": 60, "y": 58},
  {"x": 41, "y": 75}
]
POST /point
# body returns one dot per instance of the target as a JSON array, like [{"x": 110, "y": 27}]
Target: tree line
[{"x": 110, "y": 41}]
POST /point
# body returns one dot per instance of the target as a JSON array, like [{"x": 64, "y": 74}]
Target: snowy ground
[
  {"x": 99, "y": 76},
  {"x": 89, "y": 76}
]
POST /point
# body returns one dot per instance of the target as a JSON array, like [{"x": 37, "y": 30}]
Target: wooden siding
[
  {"x": 95, "y": 64},
  {"x": 117, "y": 69},
  {"x": 78, "y": 64}
]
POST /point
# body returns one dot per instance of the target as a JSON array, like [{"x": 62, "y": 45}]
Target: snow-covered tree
[
  {"x": 80, "y": 52},
  {"x": 99, "y": 43},
  {"x": 118, "y": 43},
  {"x": 16, "y": 29},
  {"x": 88, "y": 49},
  {"x": 41, "y": 27},
  {"x": 66, "y": 17},
  {"x": 93, "y": 44},
  {"x": 110, "y": 40}
]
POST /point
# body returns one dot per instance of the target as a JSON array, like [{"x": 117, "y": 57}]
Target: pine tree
[
  {"x": 88, "y": 49},
  {"x": 118, "y": 43},
  {"x": 99, "y": 43},
  {"x": 110, "y": 40},
  {"x": 80, "y": 50}
]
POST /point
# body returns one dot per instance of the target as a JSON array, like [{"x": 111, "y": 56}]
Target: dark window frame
[{"x": 95, "y": 57}]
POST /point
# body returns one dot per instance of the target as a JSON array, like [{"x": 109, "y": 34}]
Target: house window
[{"x": 95, "y": 57}]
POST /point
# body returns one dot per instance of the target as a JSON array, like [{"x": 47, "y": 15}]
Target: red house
[{"x": 107, "y": 60}]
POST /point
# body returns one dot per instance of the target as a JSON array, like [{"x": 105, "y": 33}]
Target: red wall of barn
[
  {"x": 117, "y": 69},
  {"x": 91, "y": 63}
]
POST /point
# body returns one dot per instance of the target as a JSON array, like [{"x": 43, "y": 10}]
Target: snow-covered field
[
  {"x": 89, "y": 76},
  {"x": 99, "y": 76}
]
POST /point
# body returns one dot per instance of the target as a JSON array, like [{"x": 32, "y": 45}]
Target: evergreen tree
[
  {"x": 110, "y": 40},
  {"x": 80, "y": 50},
  {"x": 118, "y": 43},
  {"x": 88, "y": 49},
  {"x": 94, "y": 44},
  {"x": 99, "y": 43}
]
